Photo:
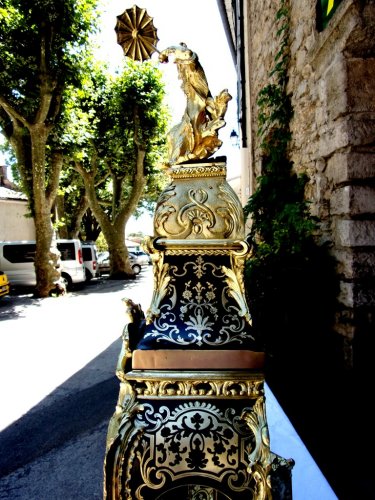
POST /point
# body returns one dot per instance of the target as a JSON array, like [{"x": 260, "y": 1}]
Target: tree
[
  {"x": 73, "y": 217},
  {"x": 117, "y": 135},
  {"x": 42, "y": 46}
]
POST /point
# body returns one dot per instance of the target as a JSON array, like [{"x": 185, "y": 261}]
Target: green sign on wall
[{"x": 326, "y": 9}]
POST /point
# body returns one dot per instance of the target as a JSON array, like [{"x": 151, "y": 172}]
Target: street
[{"x": 58, "y": 387}]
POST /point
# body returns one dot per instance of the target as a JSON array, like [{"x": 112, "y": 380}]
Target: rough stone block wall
[
  {"x": 261, "y": 19},
  {"x": 331, "y": 80}
]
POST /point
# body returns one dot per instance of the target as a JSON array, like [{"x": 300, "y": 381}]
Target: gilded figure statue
[{"x": 196, "y": 136}]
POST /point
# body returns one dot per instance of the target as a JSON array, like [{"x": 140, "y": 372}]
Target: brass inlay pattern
[
  {"x": 188, "y": 251},
  {"x": 193, "y": 438},
  {"x": 196, "y": 303},
  {"x": 140, "y": 437},
  {"x": 203, "y": 170},
  {"x": 198, "y": 388}
]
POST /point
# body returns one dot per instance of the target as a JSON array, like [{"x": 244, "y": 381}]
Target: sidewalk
[{"x": 61, "y": 391}]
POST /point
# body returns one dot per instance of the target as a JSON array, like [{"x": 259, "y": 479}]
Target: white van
[
  {"x": 90, "y": 259},
  {"x": 17, "y": 261},
  {"x": 73, "y": 269}
]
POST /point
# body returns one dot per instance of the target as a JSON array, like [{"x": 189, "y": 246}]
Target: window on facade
[{"x": 325, "y": 10}]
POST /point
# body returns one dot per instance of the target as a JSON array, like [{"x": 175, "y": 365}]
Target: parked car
[
  {"x": 142, "y": 257},
  {"x": 90, "y": 260},
  {"x": 135, "y": 265},
  {"x": 17, "y": 261},
  {"x": 4, "y": 284},
  {"x": 104, "y": 264}
]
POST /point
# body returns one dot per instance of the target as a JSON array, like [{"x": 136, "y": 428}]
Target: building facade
[
  {"x": 15, "y": 223},
  {"x": 331, "y": 77}
]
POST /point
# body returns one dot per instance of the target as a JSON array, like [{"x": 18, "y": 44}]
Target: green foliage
[
  {"x": 101, "y": 243},
  {"x": 10, "y": 160},
  {"x": 43, "y": 47},
  {"x": 72, "y": 192},
  {"x": 58, "y": 30},
  {"x": 132, "y": 114},
  {"x": 106, "y": 119},
  {"x": 113, "y": 136},
  {"x": 283, "y": 276},
  {"x": 280, "y": 216}
]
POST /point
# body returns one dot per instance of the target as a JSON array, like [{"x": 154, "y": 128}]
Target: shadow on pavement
[
  {"x": 105, "y": 285},
  {"x": 15, "y": 305},
  {"x": 75, "y": 407}
]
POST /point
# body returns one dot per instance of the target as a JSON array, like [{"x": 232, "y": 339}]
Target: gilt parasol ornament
[{"x": 136, "y": 33}]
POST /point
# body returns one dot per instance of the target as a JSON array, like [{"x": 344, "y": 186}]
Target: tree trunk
[
  {"x": 46, "y": 258},
  {"x": 82, "y": 208},
  {"x": 91, "y": 225},
  {"x": 60, "y": 214},
  {"x": 114, "y": 234},
  {"x": 114, "y": 230},
  {"x": 119, "y": 256}
]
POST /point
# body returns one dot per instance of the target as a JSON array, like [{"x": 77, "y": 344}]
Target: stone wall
[
  {"x": 263, "y": 46},
  {"x": 331, "y": 79}
]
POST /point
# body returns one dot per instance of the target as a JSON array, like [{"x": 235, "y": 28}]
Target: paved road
[{"x": 58, "y": 388}]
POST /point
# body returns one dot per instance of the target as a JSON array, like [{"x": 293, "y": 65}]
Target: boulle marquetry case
[{"x": 190, "y": 418}]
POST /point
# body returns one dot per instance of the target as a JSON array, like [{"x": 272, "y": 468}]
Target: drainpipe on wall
[
  {"x": 236, "y": 37},
  {"x": 227, "y": 30},
  {"x": 245, "y": 119}
]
